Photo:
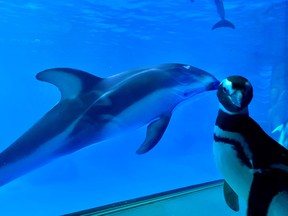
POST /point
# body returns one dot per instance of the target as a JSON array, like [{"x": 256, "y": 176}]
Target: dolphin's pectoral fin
[
  {"x": 278, "y": 128},
  {"x": 71, "y": 82},
  {"x": 283, "y": 138},
  {"x": 155, "y": 131},
  {"x": 231, "y": 197}
]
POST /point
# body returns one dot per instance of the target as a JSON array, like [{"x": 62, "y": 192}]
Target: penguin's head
[{"x": 234, "y": 94}]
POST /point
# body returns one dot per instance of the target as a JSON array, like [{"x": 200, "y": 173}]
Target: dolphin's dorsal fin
[
  {"x": 155, "y": 131},
  {"x": 71, "y": 82},
  {"x": 231, "y": 197}
]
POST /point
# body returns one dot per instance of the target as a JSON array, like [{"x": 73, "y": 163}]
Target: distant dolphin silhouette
[
  {"x": 93, "y": 109},
  {"x": 278, "y": 111},
  {"x": 221, "y": 11}
]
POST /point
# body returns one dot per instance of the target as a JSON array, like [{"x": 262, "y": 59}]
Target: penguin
[{"x": 254, "y": 166}]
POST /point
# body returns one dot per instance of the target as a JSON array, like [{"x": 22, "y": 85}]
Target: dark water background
[{"x": 107, "y": 37}]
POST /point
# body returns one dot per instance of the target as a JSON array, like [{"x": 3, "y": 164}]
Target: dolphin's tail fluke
[{"x": 223, "y": 23}]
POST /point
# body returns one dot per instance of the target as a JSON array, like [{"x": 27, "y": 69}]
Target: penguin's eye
[{"x": 225, "y": 90}]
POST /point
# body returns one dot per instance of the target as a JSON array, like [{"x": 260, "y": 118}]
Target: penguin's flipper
[
  {"x": 155, "y": 131},
  {"x": 231, "y": 197}
]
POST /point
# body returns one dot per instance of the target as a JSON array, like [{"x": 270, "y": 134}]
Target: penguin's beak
[{"x": 236, "y": 98}]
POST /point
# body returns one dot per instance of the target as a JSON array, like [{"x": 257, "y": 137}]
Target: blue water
[{"x": 105, "y": 38}]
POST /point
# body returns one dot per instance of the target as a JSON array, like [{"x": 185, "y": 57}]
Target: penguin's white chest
[{"x": 235, "y": 172}]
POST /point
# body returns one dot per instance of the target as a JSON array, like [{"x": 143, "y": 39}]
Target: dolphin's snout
[{"x": 214, "y": 85}]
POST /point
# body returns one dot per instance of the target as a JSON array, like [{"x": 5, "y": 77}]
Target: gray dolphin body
[
  {"x": 93, "y": 109},
  {"x": 221, "y": 11}
]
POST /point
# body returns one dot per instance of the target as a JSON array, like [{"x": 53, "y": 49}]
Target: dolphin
[
  {"x": 221, "y": 11},
  {"x": 278, "y": 114},
  {"x": 94, "y": 109}
]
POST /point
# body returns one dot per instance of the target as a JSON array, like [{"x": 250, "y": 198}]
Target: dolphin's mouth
[{"x": 214, "y": 85}]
